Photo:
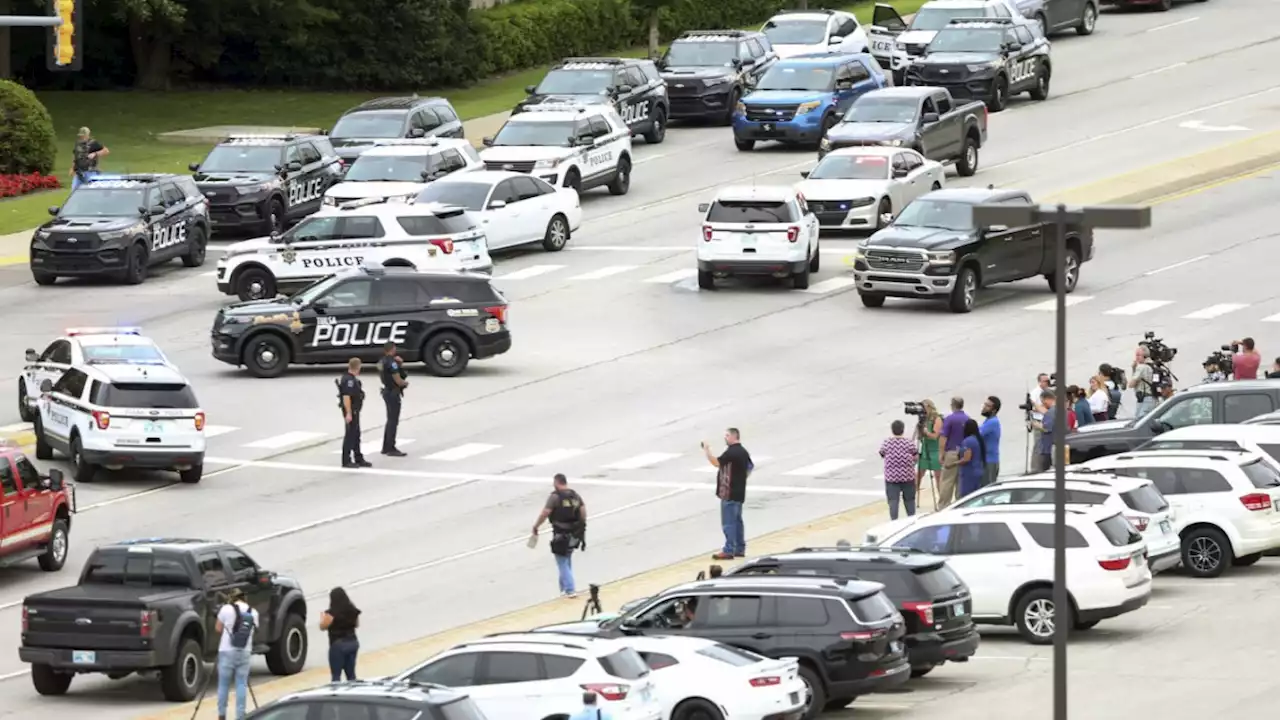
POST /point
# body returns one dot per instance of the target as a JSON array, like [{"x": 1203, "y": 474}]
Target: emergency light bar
[
  {"x": 72, "y": 332},
  {"x": 362, "y": 202},
  {"x": 264, "y": 136},
  {"x": 392, "y": 142},
  {"x": 980, "y": 21},
  {"x": 557, "y": 106}
]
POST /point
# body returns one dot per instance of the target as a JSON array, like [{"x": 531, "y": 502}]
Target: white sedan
[
  {"x": 513, "y": 208},
  {"x": 863, "y": 188},
  {"x": 80, "y": 346}
]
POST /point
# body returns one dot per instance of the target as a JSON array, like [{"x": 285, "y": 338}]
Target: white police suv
[
  {"x": 575, "y": 146},
  {"x": 92, "y": 345},
  {"x": 401, "y": 168},
  {"x": 118, "y": 416}
]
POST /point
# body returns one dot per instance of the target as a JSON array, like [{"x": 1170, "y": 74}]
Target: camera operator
[
  {"x": 1245, "y": 364},
  {"x": 928, "y": 430},
  {"x": 1212, "y": 369},
  {"x": 1043, "y": 460},
  {"x": 1113, "y": 381},
  {"x": 1275, "y": 370},
  {"x": 1142, "y": 382}
]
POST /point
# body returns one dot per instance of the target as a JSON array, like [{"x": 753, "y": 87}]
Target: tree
[
  {"x": 153, "y": 25},
  {"x": 651, "y": 10}
]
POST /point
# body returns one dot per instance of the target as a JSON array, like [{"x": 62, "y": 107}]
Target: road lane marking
[
  {"x": 672, "y": 277},
  {"x": 1178, "y": 264},
  {"x": 756, "y": 460},
  {"x": 604, "y": 272},
  {"x": 369, "y": 447},
  {"x": 283, "y": 440},
  {"x": 826, "y": 467},
  {"x": 550, "y": 456},
  {"x": 530, "y": 272},
  {"x": 830, "y": 285},
  {"x": 1157, "y": 71},
  {"x": 1166, "y": 26},
  {"x": 635, "y": 248},
  {"x": 1139, "y": 307},
  {"x": 642, "y": 461},
  {"x": 213, "y": 431},
  {"x": 1052, "y": 305},
  {"x": 461, "y": 452},
  {"x": 1214, "y": 311},
  {"x": 1272, "y": 318}
]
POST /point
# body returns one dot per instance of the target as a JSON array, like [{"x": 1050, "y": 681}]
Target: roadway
[{"x": 621, "y": 365}]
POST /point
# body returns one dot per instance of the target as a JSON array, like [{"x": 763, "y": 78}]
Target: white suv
[
  {"x": 118, "y": 416},
  {"x": 1227, "y": 504},
  {"x": 573, "y": 146},
  {"x": 800, "y": 32},
  {"x": 1005, "y": 556},
  {"x": 758, "y": 230},
  {"x": 1246, "y": 437},
  {"x": 401, "y": 168},
  {"x": 542, "y": 675}
]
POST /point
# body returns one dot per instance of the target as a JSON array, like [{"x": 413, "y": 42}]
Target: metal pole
[
  {"x": 1061, "y": 604},
  {"x": 30, "y": 21}
]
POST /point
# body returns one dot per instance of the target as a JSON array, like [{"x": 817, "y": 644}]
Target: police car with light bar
[
  {"x": 988, "y": 59},
  {"x": 708, "y": 71},
  {"x": 121, "y": 226},
  {"x": 574, "y": 146},
  {"x": 121, "y": 415},
  {"x": 370, "y": 232},
  {"x": 401, "y": 168},
  {"x": 262, "y": 183},
  {"x": 443, "y": 318},
  {"x": 87, "y": 345},
  {"x": 634, "y": 88}
]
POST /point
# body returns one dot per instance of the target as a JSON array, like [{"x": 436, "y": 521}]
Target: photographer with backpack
[{"x": 236, "y": 623}]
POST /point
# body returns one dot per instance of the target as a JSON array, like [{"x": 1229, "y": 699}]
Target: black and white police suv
[
  {"x": 402, "y": 168},
  {"x": 120, "y": 226},
  {"x": 262, "y": 183},
  {"x": 708, "y": 71},
  {"x": 121, "y": 415},
  {"x": 633, "y": 87},
  {"x": 988, "y": 59},
  {"x": 573, "y": 146},
  {"x": 393, "y": 117},
  {"x": 442, "y": 318}
]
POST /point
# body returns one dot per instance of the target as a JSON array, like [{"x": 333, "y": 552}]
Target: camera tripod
[
  {"x": 204, "y": 690},
  {"x": 591, "y": 607}
]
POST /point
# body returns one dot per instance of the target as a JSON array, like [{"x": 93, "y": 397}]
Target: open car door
[{"x": 886, "y": 26}]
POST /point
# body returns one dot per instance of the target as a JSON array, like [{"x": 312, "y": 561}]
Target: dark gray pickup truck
[
  {"x": 151, "y": 606},
  {"x": 925, "y": 119}
]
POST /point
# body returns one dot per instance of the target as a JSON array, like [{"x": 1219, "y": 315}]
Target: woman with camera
[{"x": 928, "y": 430}]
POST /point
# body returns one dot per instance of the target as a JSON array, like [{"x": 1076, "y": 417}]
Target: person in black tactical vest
[
  {"x": 394, "y": 381},
  {"x": 351, "y": 400},
  {"x": 568, "y": 516},
  {"x": 85, "y": 156}
]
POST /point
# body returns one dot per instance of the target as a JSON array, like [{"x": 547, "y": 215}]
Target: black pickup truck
[
  {"x": 150, "y": 606},
  {"x": 925, "y": 119},
  {"x": 934, "y": 251}
]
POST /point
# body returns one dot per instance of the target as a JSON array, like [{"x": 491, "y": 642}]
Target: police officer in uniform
[
  {"x": 568, "y": 515},
  {"x": 351, "y": 398},
  {"x": 393, "y": 384}
]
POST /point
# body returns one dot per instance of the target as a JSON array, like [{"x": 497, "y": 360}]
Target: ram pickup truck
[
  {"x": 934, "y": 250},
  {"x": 150, "y": 606},
  {"x": 925, "y": 119}
]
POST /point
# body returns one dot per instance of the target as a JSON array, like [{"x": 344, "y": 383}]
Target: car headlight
[
  {"x": 825, "y": 144},
  {"x": 894, "y": 143},
  {"x": 234, "y": 320},
  {"x": 741, "y": 108},
  {"x": 861, "y": 202},
  {"x": 941, "y": 257},
  {"x": 545, "y": 164},
  {"x": 860, "y": 250},
  {"x": 42, "y": 234},
  {"x": 258, "y": 188},
  {"x": 982, "y": 66},
  {"x": 329, "y": 200},
  {"x": 121, "y": 234},
  {"x": 808, "y": 107},
  {"x": 712, "y": 82}
]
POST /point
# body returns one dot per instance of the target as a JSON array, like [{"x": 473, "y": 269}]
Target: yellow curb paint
[
  {"x": 6, "y": 260},
  {"x": 24, "y": 438}
]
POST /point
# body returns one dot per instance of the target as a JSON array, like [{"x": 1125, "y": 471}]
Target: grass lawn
[{"x": 128, "y": 122}]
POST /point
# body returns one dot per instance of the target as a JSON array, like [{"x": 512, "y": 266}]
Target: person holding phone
[{"x": 733, "y": 465}]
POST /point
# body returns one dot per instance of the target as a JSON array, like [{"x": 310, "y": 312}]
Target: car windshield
[
  {"x": 242, "y": 158},
  {"x": 309, "y": 293},
  {"x": 1261, "y": 474},
  {"x": 155, "y": 396},
  {"x": 103, "y": 202},
  {"x": 369, "y": 124},
  {"x": 798, "y": 77},
  {"x": 121, "y": 353},
  {"x": 941, "y": 214},
  {"x": 749, "y": 211},
  {"x": 796, "y": 32},
  {"x": 967, "y": 40},
  {"x": 470, "y": 195},
  {"x": 595, "y": 81},
  {"x": 546, "y": 134},
  {"x": 851, "y": 167},
  {"x": 710, "y": 53},
  {"x": 388, "y": 168},
  {"x": 888, "y": 110},
  {"x": 936, "y": 18}
]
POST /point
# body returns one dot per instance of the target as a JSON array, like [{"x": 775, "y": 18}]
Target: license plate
[
  {"x": 768, "y": 127},
  {"x": 794, "y": 698},
  {"x": 1167, "y": 528},
  {"x": 747, "y": 240},
  {"x": 153, "y": 426},
  {"x": 84, "y": 657}
]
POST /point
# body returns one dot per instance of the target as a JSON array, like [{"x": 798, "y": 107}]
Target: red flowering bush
[{"x": 15, "y": 185}]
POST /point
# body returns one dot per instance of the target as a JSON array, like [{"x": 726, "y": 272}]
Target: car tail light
[
  {"x": 145, "y": 623},
  {"x": 1139, "y": 522},
  {"x": 862, "y": 635},
  {"x": 923, "y": 609},
  {"x": 498, "y": 311},
  {"x": 1116, "y": 564},
  {"x": 706, "y": 233},
  {"x": 1256, "y": 501},
  {"x": 199, "y": 421},
  {"x": 26, "y": 622},
  {"x": 445, "y": 245},
  {"x": 609, "y": 691},
  {"x": 103, "y": 419},
  {"x": 793, "y": 234},
  {"x": 766, "y": 681}
]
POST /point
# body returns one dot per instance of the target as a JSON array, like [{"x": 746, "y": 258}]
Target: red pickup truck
[{"x": 35, "y": 512}]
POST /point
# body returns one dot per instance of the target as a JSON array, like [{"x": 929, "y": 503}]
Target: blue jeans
[
  {"x": 906, "y": 492},
  {"x": 564, "y": 564},
  {"x": 735, "y": 539},
  {"x": 233, "y": 663},
  {"x": 342, "y": 658},
  {"x": 1145, "y": 406},
  {"x": 77, "y": 182}
]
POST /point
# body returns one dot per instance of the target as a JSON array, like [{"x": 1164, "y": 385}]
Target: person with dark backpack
[{"x": 236, "y": 624}]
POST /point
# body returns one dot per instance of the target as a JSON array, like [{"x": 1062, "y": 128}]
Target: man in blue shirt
[
  {"x": 1044, "y": 447},
  {"x": 990, "y": 432},
  {"x": 591, "y": 709}
]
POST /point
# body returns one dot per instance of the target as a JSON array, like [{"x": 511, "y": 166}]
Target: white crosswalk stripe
[
  {"x": 551, "y": 456},
  {"x": 673, "y": 277},
  {"x": 16, "y": 427},
  {"x": 461, "y": 452},
  {"x": 829, "y": 285},
  {"x": 604, "y": 272},
  {"x": 825, "y": 467},
  {"x": 370, "y": 447},
  {"x": 1139, "y": 307},
  {"x": 530, "y": 272},
  {"x": 1214, "y": 311},
  {"x": 283, "y": 440},
  {"x": 1271, "y": 318},
  {"x": 213, "y": 431},
  {"x": 756, "y": 460},
  {"x": 642, "y": 461},
  {"x": 1052, "y": 305}
]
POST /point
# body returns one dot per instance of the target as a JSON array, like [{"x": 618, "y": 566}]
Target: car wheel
[
  {"x": 1044, "y": 25},
  {"x": 557, "y": 235},
  {"x": 573, "y": 179},
  {"x": 706, "y": 280},
  {"x": 622, "y": 180},
  {"x": 828, "y": 122},
  {"x": 1205, "y": 552},
  {"x": 886, "y": 208},
  {"x": 288, "y": 655},
  {"x": 816, "y": 698},
  {"x": 43, "y": 278},
  {"x": 734, "y": 97},
  {"x": 275, "y": 216},
  {"x": 266, "y": 355},
  {"x": 1088, "y": 20},
  {"x": 917, "y": 672},
  {"x": 800, "y": 278},
  {"x": 658, "y": 129},
  {"x": 24, "y": 409},
  {"x": 192, "y": 475},
  {"x": 48, "y": 681},
  {"x": 965, "y": 292},
  {"x": 135, "y": 264},
  {"x": 1034, "y": 616},
  {"x": 198, "y": 248},
  {"x": 744, "y": 145},
  {"x": 815, "y": 263},
  {"x": 967, "y": 165},
  {"x": 255, "y": 284},
  {"x": 44, "y": 451},
  {"x": 55, "y": 555},
  {"x": 1071, "y": 273},
  {"x": 446, "y": 354},
  {"x": 1247, "y": 560},
  {"x": 999, "y": 94},
  {"x": 696, "y": 709},
  {"x": 183, "y": 680},
  {"x": 1041, "y": 90},
  {"x": 82, "y": 470},
  {"x": 1082, "y": 626},
  {"x": 872, "y": 300}
]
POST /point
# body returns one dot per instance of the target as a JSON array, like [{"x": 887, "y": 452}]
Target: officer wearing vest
[
  {"x": 568, "y": 516},
  {"x": 351, "y": 400},
  {"x": 393, "y": 375}
]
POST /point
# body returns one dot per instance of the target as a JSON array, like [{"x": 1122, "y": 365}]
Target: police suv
[
  {"x": 708, "y": 71},
  {"x": 374, "y": 231},
  {"x": 633, "y": 87},
  {"x": 401, "y": 168},
  {"x": 121, "y": 415},
  {"x": 80, "y": 346},
  {"x": 987, "y": 59},
  {"x": 442, "y": 318},
  {"x": 361, "y": 127},
  {"x": 120, "y": 226},
  {"x": 261, "y": 183},
  {"x": 574, "y": 146}
]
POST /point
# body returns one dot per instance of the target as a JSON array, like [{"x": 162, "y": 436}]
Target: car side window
[
  {"x": 445, "y": 113},
  {"x": 1011, "y": 38},
  {"x": 1042, "y": 534},
  {"x": 846, "y": 26},
  {"x": 241, "y": 565},
  {"x": 943, "y": 104},
  {"x": 913, "y": 160},
  {"x": 309, "y": 154},
  {"x": 1024, "y": 35},
  {"x": 744, "y": 52},
  {"x": 59, "y": 352},
  {"x": 1001, "y": 11},
  {"x": 844, "y": 74},
  {"x": 1238, "y": 407},
  {"x": 1195, "y": 481},
  {"x": 505, "y": 192},
  {"x": 900, "y": 162},
  {"x": 599, "y": 128},
  {"x": 559, "y": 666},
  {"x": 582, "y": 131},
  {"x": 292, "y": 153},
  {"x": 801, "y": 611},
  {"x": 1083, "y": 497},
  {"x": 314, "y": 229},
  {"x": 981, "y": 538},
  {"x": 71, "y": 384},
  {"x": 929, "y": 107},
  {"x": 510, "y": 667},
  {"x": 933, "y": 539},
  {"x": 452, "y": 671},
  {"x": 658, "y": 661},
  {"x": 350, "y": 294},
  {"x": 212, "y": 569},
  {"x": 755, "y": 48},
  {"x": 173, "y": 196},
  {"x": 635, "y": 78},
  {"x": 526, "y": 188},
  {"x": 1188, "y": 412},
  {"x": 402, "y": 292},
  {"x": 27, "y": 472},
  {"x": 360, "y": 228},
  {"x": 728, "y": 611},
  {"x": 858, "y": 72},
  {"x": 8, "y": 481},
  {"x": 999, "y": 497},
  {"x": 430, "y": 120}
]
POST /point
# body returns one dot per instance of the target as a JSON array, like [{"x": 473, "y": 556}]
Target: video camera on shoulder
[
  {"x": 915, "y": 408},
  {"x": 1157, "y": 352}
]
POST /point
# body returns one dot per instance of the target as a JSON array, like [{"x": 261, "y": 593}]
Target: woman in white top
[{"x": 1099, "y": 399}]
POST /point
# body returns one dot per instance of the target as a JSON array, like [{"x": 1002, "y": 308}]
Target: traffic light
[{"x": 65, "y": 40}]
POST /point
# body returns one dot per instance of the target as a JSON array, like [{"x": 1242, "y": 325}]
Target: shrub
[
  {"x": 27, "y": 142},
  {"x": 15, "y": 185}
]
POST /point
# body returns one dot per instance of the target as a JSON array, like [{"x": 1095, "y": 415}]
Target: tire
[
  {"x": 183, "y": 680},
  {"x": 288, "y": 655},
  {"x": 800, "y": 280},
  {"x": 24, "y": 410},
  {"x": 1083, "y": 626},
  {"x": 48, "y": 681},
  {"x": 199, "y": 246},
  {"x": 696, "y": 709},
  {"x": 999, "y": 94},
  {"x": 744, "y": 145},
  {"x": 815, "y": 263},
  {"x": 1044, "y": 25},
  {"x": 557, "y": 235},
  {"x": 1246, "y": 560},
  {"x": 734, "y": 97},
  {"x": 706, "y": 280},
  {"x": 81, "y": 470},
  {"x": 446, "y": 354},
  {"x": 1088, "y": 20},
  {"x": 1041, "y": 90},
  {"x": 135, "y": 267},
  {"x": 255, "y": 284},
  {"x": 886, "y": 208},
  {"x": 43, "y": 278},
  {"x": 275, "y": 216},
  {"x": 872, "y": 300},
  {"x": 192, "y": 476},
  {"x": 622, "y": 180},
  {"x": 817, "y": 693},
  {"x": 573, "y": 179},
  {"x": 55, "y": 556},
  {"x": 921, "y": 671},
  {"x": 1205, "y": 552},
  {"x": 658, "y": 130},
  {"x": 965, "y": 292},
  {"x": 44, "y": 451},
  {"x": 828, "y": 122},
  {"x": 967, "y": 165},
  {"x": 1034, "y": 616},
  {"x": 1072, "y": 273},
  {"x": 266, "y": 355}
]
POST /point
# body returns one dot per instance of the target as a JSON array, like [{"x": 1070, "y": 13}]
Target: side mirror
[
  {"x": 487, "y": 142},
  {"x": 31, "y": 355},
  {"x": 155, "y": 210},
  {"x": 497, "y": 204},
  {"x": 623, "y": 89},
  {"x": 530, "y": 89},
  {"x": 194, "y": 167},
  {"x": 417, "y": 133},
  {"x": 264, "y": 577},
  {"x": 929, "y": 118},
  {"x": 835, "y": 40},
  {"x": 900, "y": 172},
  {"x": 56, "y": 479},
  {"x": 46, "y": 386},
  {"x": 320, "y": 305},
  {"x": 1010, "y": 47},
  {"x": 53, "y": 210},
  {"x": 276, "y": 237},
  {"x": 294, "y": 166},
  {"x": 703, "y": 207},
  {"x": 804, "y": 174}
]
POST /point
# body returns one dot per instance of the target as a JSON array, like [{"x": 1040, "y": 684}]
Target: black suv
[
  {"x": 988, "y": 59},
  {"x": 1216, "y": 403},
  {"x": 443, "y": 318},
  {"x": 933, "y": 600},
  {"x": 634, "y": 87},
  {"x": 372, "y": 699},
  {"x": 261, "y": 183},
  {"x": 708, "y": 71},
  {"x": 847, "y": 634},
  {"x": 393, "y": 117},
  {"x": 121, "y": 226}
]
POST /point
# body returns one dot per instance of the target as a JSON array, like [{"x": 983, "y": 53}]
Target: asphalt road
[{"x": 620, "y": 361}]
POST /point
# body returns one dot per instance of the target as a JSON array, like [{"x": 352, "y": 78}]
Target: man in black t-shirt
[
  {"x": 351, "y": 395},
  {"x": 734, "y": 466},
  {"x": 85, "y": 156}
]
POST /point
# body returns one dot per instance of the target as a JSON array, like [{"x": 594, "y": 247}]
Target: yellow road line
[
  {"x": 1215, "y": 184},
  {"x": 22, "y": 259}
]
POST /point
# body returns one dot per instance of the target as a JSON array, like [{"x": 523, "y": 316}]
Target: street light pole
[{"x": 30, "y": 21}]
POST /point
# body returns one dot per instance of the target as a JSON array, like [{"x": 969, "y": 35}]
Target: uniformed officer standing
[
  {"x": 393, "y": 385},
  {"x": 351, "y": 395}
]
